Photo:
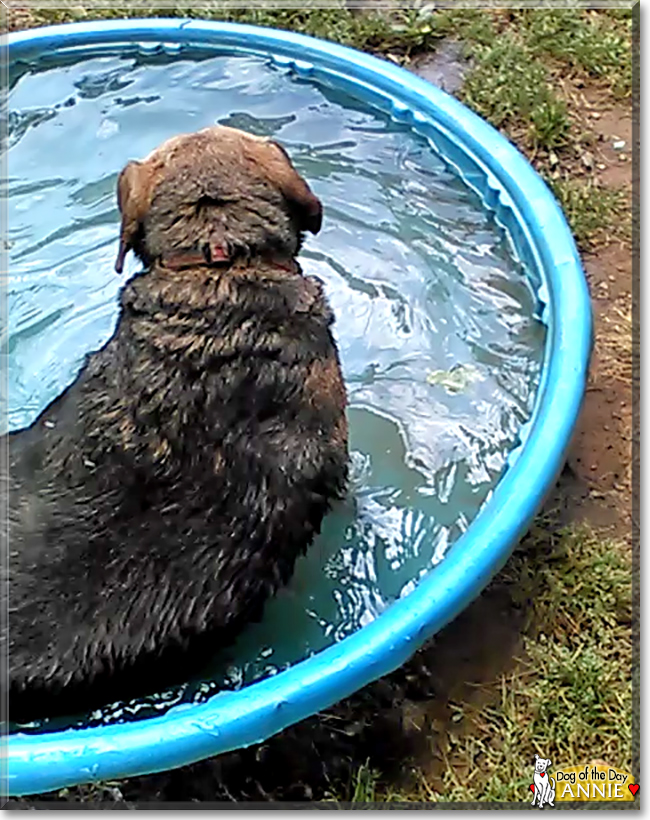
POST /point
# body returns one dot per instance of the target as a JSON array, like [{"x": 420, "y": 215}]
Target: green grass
[
  {"x": 569, "y": 693},
  {"x": 513, "y": 84},
  {"x": 399, "y": 35},
  {"x": 472, "y": 26},
  {"x": 594, "y": 43},
  {"x": 507, "y": 85},
  {"x": 594, "y": 212},
  {"x": 570, "y": 697},
  {"x": 364, "y": 787},
  {"x": 513, "y": 92}
]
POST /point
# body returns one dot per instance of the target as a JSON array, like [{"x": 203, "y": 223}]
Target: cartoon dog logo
[{"x": 543, "y": 786}]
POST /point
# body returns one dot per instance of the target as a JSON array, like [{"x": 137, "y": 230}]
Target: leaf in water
[{"x": 456, "y": 379}]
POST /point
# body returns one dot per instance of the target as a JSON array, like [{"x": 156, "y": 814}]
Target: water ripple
[{"x": 435, "y": 318}]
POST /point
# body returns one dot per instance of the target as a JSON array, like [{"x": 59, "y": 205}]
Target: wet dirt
[{"x": 446, "y": 67}]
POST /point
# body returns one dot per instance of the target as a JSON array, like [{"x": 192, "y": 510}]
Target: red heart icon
[
  {"x": 543, "y": 774},
  {"x": 634, "y": 788},
  {"x": 532, "y": 788}
]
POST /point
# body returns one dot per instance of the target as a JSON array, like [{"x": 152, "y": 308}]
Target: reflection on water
[{"x": 435, "y": 318}]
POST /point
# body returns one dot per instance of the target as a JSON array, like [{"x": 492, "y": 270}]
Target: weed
[
  {"x": 594, "y": 212},
  {"x": 364, "y": 786},
  {"x": 549, "y": 123},
  {"x": 472, "y": 26},
  {"x": 588, "y": 41},
  {"x": 509, "y": 89}
]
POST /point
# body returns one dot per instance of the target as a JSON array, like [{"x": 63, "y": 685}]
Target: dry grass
[{"x": 616, "y": 339}]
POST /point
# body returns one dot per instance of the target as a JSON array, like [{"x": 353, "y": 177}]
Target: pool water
[{"x": 436, "y": 318}]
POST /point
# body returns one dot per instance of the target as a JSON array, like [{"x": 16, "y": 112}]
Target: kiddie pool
[{"x": 525, "y": 207}]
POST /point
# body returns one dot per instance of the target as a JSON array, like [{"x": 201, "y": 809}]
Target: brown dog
[{"x": 167, "y": 493}]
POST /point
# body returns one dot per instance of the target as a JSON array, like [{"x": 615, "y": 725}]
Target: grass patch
[
  {"x": 590, "y": 41},
  {"x": 511, "y": 82},
  {"x": 398, "y": 35},
  {"x": 475, "y": 27},
  {"x": 513, "y": 92},
  {"x": 365, "y": 787},
  {"x": 594, "y": 212},
  {"x": 517, "y": 57},
  {"x": 507, "y": 84},
  {"x": 570, "y": 698}
]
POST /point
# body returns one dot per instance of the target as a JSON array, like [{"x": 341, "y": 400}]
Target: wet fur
[{"x": 159, "y": 501}]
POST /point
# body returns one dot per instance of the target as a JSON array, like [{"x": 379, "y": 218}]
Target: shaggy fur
[{"x": 160, "y": 500}]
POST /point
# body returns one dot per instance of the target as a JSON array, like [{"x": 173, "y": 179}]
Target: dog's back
[{"x": 160, "y": 500}]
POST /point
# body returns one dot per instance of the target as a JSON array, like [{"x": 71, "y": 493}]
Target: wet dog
[{"x": 159, "y": 501}]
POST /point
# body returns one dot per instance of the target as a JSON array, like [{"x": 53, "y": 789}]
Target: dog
[
  {"x": 544, "y": 791},
  {"x": 167, "y": 493}
]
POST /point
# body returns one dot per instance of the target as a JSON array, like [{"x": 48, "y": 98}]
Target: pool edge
[{"x": 264, "y": 708}]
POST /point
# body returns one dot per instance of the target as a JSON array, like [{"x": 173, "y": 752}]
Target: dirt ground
[
  {"x": 601, "y": 455},
  {"x": 400, "y": 724}
]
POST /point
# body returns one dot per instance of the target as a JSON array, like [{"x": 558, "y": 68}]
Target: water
[{"x": 435, "y": 316}]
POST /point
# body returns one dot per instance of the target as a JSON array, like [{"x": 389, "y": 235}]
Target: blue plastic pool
[{"x": 476, "y": 159}]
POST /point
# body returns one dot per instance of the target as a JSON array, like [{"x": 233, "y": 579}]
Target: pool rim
[{"x": 230, "y": 720}]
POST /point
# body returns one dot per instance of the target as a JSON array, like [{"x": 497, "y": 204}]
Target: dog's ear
[
  {"x": 548, "y": 763},
  {"x": 296, "y": 191},
  {"x": 536, "y": 757},
  {"x": 133, "y": 199}
]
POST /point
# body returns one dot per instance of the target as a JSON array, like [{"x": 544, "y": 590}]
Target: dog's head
[
  {"x": 541, "y": 764},
  {"x": 219, "y": 189}
]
